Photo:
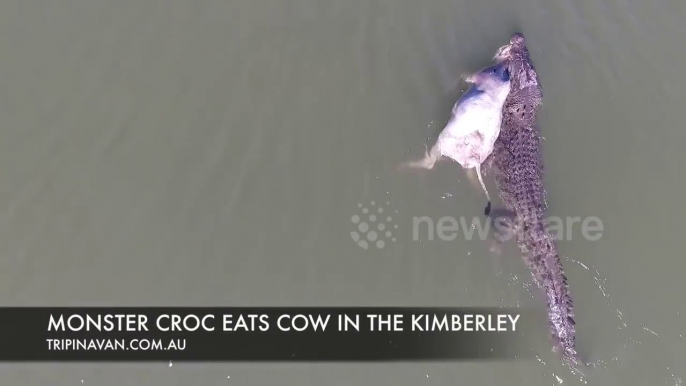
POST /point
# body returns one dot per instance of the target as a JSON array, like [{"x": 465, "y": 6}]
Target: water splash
[{"x": 636, "y": 331}]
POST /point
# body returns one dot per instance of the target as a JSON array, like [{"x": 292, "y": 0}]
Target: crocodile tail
[
  {"x": 546, "y": 267},
  {"x": 560, "y": 308}
]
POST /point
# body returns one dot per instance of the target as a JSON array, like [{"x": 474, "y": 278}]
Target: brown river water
[{"x": 227, "y": 153}]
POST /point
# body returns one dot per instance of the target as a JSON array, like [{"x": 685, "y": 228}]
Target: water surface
[{"x": 214, "y": 152}]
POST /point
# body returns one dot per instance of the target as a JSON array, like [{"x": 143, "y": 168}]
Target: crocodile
[{"x": 518, "y": 170}]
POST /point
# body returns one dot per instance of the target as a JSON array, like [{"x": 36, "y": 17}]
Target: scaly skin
[{"x": 518, "y": 169}]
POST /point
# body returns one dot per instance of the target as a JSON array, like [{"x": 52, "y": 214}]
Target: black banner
[{"x": 263, "y": 334}]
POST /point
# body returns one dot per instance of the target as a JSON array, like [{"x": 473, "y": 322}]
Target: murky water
[{"x": 215, "y": 152}]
